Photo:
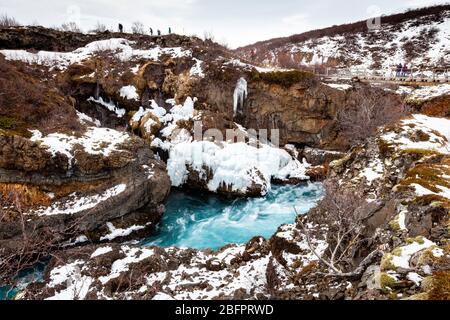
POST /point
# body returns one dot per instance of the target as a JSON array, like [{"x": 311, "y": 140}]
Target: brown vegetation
[
  {"x": 439, "y": 107},
  {"x": 6, "y": 21},
  {"x": 370, "y": 109},
  {"x": 28, "y": 102},
  {"x": 70, "y": 27},
  {"x": 440, "y": 287},
  {"x": 433, "y": 13},
  {"x": 35, "y": 246},
  {"x": 284, "y": 79},
  {"x": 345, "y": 235}
]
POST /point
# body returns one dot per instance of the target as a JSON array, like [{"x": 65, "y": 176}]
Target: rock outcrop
[{"x": 81, "y": 194}]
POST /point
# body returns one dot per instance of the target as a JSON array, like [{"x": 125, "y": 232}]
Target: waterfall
[{"x": 240, "y": 94}]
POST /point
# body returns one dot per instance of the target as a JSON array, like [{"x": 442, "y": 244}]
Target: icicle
[{"x": 240, "y": 94}]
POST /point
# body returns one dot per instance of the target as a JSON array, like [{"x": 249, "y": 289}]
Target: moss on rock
[
  {"x": 387, "y": 281},
  {"x": 285, "y": 79},
  {"x": 386, "y": 262}
]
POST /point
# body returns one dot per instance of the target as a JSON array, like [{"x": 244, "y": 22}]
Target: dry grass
[
  {"x": 28, "y": 102},
  {"x": 439, "y": 107},
  {"x": 6, "y": 21},
  {"x": 429, "y": 175},
  {"x": 30, "y": 195},
  {"x": 440, "y": 287}
]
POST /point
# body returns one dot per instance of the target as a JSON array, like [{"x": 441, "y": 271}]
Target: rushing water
[
  {"x": 24, "y": 278},
  {"x": 205, "y": 221}
]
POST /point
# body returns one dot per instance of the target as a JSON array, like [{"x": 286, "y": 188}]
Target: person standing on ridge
[
  {"x": 159, "y": 32},
  {"x": 170, "y": 30},
  {"x": 399, "y": 70},
  {"x": 120, "y": 28},
  {"x": 151, "y": 31},
  {"x": 405, "y": 70}
]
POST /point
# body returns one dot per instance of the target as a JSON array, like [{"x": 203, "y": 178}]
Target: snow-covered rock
[{"x": 120, "y": 48}]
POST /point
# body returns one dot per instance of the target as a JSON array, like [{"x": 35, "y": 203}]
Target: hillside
[{"x": 420, "y": 38}]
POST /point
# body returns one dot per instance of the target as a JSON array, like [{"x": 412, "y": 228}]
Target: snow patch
[
  {"x": 339, "y": 86},
  {"x": 129, "y": 92},
  {"x": 94, "y": 141},
  {"x": 101, "y": 251},
  {"x": 74, "y": 204},
  {"x": 406, "y": 252},
  {"x": 117, "y": 232},
  {"x": 86, "y": 119},
  {"x": 132, "y": 256},
  {"x": 196, "y": 70},
  {"x": 120, "y": 112}
]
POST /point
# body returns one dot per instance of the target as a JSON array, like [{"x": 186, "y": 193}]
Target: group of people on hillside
[
  {"x": 402, "y": 70},
  {"x": 151, "y": 30}
]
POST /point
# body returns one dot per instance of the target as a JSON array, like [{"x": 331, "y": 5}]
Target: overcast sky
[{"x": 234, "y": 22}]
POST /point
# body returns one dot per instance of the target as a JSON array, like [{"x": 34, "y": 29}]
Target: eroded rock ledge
[{"x": 98, "y": 186}]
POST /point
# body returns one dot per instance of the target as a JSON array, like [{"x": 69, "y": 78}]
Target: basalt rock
[
  {"x": 80, "y": 195},
  {"x": 318, "y": 157}
]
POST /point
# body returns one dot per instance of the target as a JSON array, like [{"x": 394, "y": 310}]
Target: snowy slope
[{"x": 422, "y": 42}]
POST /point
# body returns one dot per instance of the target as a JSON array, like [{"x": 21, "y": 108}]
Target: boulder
[{"x": 317, "y": 157}]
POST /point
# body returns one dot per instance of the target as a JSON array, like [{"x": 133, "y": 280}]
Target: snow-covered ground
[
  {"x": 185, "y": 281},
  {"x": 428, "y": 92},
  {"x": 438, "y": 130},
  {"x": 121, "y": 48},
  {"x": 357, "y": 49}
]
